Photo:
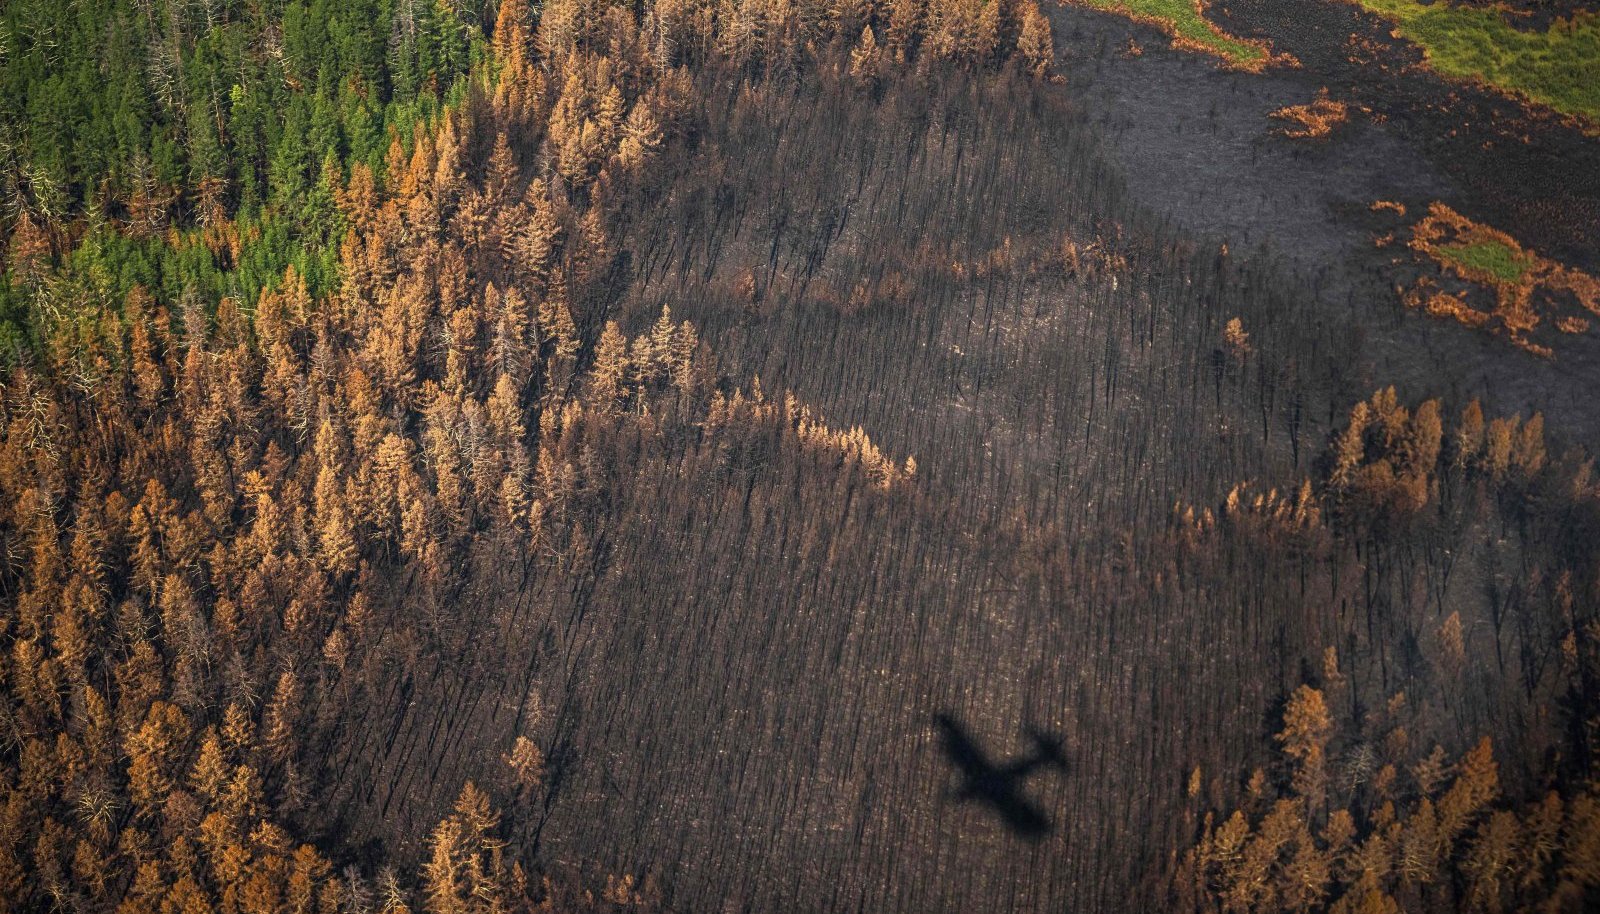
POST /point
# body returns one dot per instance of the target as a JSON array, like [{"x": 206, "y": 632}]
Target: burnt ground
[
  {"x": 1537, "y": 13},
  {"x": 741, "y": 687},
  {"x": 1198, "y": 148},
  {"x": 742, "y": 696}
]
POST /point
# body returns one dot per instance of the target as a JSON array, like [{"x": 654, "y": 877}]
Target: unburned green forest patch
[
  {"x": 1495, "y": 259},
  {"x": 1557, "y": 68},
  {"x": 1191, "y": 30},
  {"x": 1481, "y": 264}
]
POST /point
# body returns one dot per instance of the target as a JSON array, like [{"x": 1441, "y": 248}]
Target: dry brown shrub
[
  {"x": 1314, "y": 120},
  {"x": 1236, "y": 339}
]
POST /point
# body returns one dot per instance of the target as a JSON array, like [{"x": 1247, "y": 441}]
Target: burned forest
[{"x": 473, "y": 457}]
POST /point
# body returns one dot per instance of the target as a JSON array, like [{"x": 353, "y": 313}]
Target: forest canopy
[{"x": 479, "y": 457}]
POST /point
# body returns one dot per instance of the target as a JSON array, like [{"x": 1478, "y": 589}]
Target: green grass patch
[
  {"x": 1558, "y": 68},
  {"x": 1185, "y": 22},
  {"x": 1491, "y": 257}
]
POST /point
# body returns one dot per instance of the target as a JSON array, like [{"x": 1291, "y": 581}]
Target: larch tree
[
  {"x": 641, "y": 137},
  {"x": 864, "y": 59},
  {"x": 1469, "y": 436},
  {"x": 282, "y": 716},
  {"x": 906, "y": 20},
  {"x": 1350, "y": 449},
  {"x": 1035, "y": 44},
  {"x": 1306, "y": 728},
  {"x": 610, "y": 367}
]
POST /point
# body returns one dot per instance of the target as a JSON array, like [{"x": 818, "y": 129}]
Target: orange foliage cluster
[
  {"x": 1236, "y": 339},
  {"x": 851, "y": 447},
  {"x": 1392, "y": 831},
  {"x": 1357, "y": 816},
  {"x": 1070, "y": 257},
  {"x": 1273, "y": 513},
  {"x": 1520, "y": 304},
  {"x": 1095, "y": 256},
  {"x": 1386, "y": 464},
  {"x": 1314, "y": 120},
  {"x": 204, "y": 516}
]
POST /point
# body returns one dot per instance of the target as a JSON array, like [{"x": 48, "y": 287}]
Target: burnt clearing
[
  {"x": 739, "y": 685},
  {"x": 1197, "y": 146}
]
